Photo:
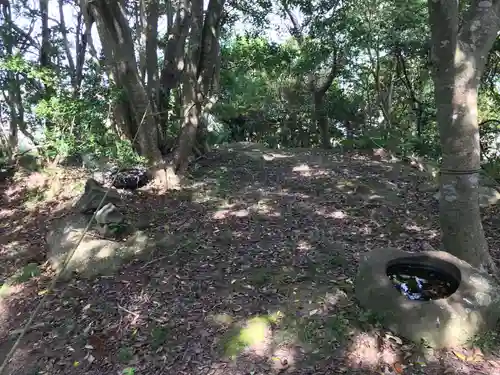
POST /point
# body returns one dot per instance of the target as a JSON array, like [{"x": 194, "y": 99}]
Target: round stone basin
[{"x": 466, "y": 303}]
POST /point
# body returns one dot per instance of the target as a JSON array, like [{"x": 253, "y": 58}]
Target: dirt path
[{"x": 255, "y": 277}]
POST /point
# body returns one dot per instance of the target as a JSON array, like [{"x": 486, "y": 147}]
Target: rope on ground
[{"x": 67, "y": 259}]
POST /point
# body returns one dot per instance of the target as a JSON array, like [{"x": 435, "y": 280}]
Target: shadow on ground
[{"x": 253, "y": 276}]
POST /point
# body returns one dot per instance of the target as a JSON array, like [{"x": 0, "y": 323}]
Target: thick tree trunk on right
[{"x": 459, "y": 59}]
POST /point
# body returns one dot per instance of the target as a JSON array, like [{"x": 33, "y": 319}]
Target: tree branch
[
  {"x": 296, "y": 29},
  {"x": 334, "y": 70},
  {"x": 480, "y": 27}
]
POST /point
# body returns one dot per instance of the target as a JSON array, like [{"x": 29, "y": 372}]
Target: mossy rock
[{"x": 94, "y": 255}]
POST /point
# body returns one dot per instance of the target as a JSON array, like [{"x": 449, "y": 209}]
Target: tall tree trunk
[
  {"x": 81, "y": 49},
  {"x": 319, "y": 115},
  {"x": 12, "y": 95},
  {"x": 459, "y": 53},
  {"x": 200, "y": 74},
  {"x": 317, "y": 87},
  {"x": 67, "y": 49},
  {"x": 116, "y": 39},
  {"x": 192, "y": 100},
  {"x": 151, "y": 36},
  {"x": 45, "y": 54},
  {"x": 45, "y": 46},
  {"x": 174, "y": 51}
]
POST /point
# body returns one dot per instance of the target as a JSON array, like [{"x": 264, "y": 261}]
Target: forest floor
[{"x": 258, "y": 278}]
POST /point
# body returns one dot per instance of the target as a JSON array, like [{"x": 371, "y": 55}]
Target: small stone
[{"x": 109, "y": 214}]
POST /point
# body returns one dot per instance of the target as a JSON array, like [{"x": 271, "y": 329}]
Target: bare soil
[{"x": 254, "y": 277}]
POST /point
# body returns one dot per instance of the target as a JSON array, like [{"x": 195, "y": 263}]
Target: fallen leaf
[
  {"x": 398, "y": 367},
  {"x": 460, "y": 356}
]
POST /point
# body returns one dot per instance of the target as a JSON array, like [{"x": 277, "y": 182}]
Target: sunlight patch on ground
[
  {"x": 203, "y": 198},
  {"x": 308, "y": 171},
  {"x": 346, "y": 186},
  {"x": 272, "y": 156},
  {"x": 303, "y": 169},
  {"x": 368, "y": 351},
  {"x": 253, "y": 337},
  {"x": 265, "y": 207},
  {"x": 12, "y": 248},
  {"x": 363, "y": 351},
  {"x": 7, "y": 289},
  {"x": 303, "y": 246},
  {"x": 335, "y": 214},
  {"x": 6, "y": 213},
  {"x": 4, "y": 315},
  {"x": 223, "y": 214},
  {"x": 14, "y": 283},
  {"x": 414, "y": 228},
  {"x": 365, "y": 230}
]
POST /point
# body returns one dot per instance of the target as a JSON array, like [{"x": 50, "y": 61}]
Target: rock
[
  {"x": 93, "y": 195},
  {"x": 488, "y": 196},
  {"x": 111, "y": 222},
  {"x": 447, "y": 322},
  {"x": 109, "y": 214},
  {"x": 94, "y": 256}
]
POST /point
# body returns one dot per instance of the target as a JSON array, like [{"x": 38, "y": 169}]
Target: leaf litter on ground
[{"x": 251, "y": 237}]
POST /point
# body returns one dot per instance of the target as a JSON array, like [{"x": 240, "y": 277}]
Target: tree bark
[
  {"x": 200, "y": 74},
  {"x": 45, "y": 47},
  {"x": 151, "y": 36},
  {"x": 116, "y": 39},
  {"x": 458, "y": 53},
  {"x": 321, "y": 119},
  {"x": 192, "y": 99}
]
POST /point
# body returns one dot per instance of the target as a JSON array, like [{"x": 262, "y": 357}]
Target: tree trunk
[
  {"x": 151, "y": 36},
  {"x": 192, "y": 99},
  {"x": 12, "y": 94},
  {"x": 200, "y": 73},
  {"x": 116, "y": 39},
  {"x": 321, "y": 119},
  {"x": 459, "y": 59},
  {"x": 45, "y": 45},
  {"x": 81, "y": 49}
]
